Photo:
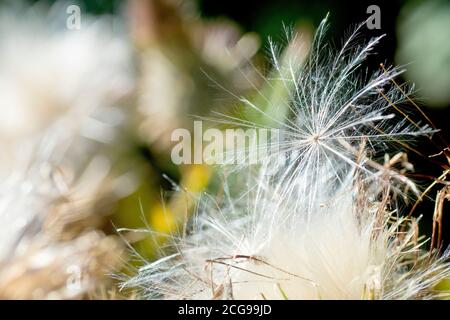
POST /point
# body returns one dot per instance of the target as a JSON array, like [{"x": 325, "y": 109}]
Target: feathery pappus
[
  {"x": 335, "y": 112},
  {"x": 317, "y": 219},
  {"x": 263, "y": 246}
]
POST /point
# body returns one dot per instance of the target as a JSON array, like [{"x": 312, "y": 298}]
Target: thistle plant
[
  {"x": 59, "y": 93},
  {"x": 318, "y": 218}
]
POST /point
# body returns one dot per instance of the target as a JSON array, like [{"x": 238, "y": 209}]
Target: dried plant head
[
  {"x": 263, "y": 245},
  {"x": 61, "y": 93},
  {"x": 52, "y": 246},
  {"x": 317, "y": 219},
  {"x": 335, "y": 112}
]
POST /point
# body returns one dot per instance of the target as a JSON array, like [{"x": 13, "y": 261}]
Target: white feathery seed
[
  {"x": 322, "y": 224},
  {"x": 336, "y": 114},
  {"x": 262, "y": 245}
]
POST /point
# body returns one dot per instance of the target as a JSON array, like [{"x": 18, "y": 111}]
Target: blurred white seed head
[
  {"x": 61, "y": 93},
  {"x": 52, "y": 76}
]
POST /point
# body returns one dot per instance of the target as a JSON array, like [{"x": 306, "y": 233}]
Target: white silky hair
[
  {"x": 336, "y": 113},
  {"x": 263, "y": 245},
  {"x": 316, "y": 226}
]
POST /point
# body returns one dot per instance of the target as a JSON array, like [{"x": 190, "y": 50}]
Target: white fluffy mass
[{"x": 317, "y": 219}]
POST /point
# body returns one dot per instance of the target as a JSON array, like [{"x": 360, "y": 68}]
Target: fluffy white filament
[{"x": 313, "y": 221}]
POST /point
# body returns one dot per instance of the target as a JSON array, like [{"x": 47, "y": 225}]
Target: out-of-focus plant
[
  {"x": 61, "y": 94},
  {"x": 178, "y": 54},
  {"x": 424, "y": 33}
]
